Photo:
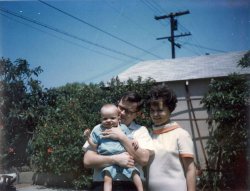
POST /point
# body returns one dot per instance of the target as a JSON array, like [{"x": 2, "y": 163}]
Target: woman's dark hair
[
  {"x": 134, "y": 98},
  {"x": 162, "y": 91}
]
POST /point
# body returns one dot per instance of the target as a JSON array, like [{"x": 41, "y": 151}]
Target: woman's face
[{"x": 159, "y": 113}]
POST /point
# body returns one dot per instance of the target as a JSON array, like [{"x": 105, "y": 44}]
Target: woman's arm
[
  {"x": 190, "y": 173},
  {"x": 92, "y": 159}
]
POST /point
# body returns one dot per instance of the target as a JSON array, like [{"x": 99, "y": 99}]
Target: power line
[
  {"x": 173, "y": 27},
  {"x": 198, "y": 43},
  {"x": 153, "y": 9},
  {"x": 129, "y": 19},
  {"x": 150, "y": 7},
  {"x": 158, "y": 6},
  {"x": 191, "y": 50},
  {"x": 199, "y": 46},
  {"x": 185, "y": 29},
  {"x": 153, "y": 6},
  {"x": 119, "y": 66},
  {"x": 68, "y": 41},
  {"x": 193, "y": 39},
  {"x": 68, "y": 34},
  {"x": 99, "y": 29}
]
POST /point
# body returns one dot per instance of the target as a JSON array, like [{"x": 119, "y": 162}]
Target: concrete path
[
  {"x": 24, "y": 182},
  {"x": 28, "y": 187}
]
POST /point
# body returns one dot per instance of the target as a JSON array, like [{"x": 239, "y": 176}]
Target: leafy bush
[
  {"x": 57, "y": 143},
  {"x": 21, "y": 105},
  {"x": 226, "y": 101},
  {"x": 48, "y": 123}
]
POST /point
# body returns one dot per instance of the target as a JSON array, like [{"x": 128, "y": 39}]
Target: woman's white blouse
[{"x": 166, "y": 172}]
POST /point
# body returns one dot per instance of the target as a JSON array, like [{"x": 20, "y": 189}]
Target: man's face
[{"x": 128, "y": 111}]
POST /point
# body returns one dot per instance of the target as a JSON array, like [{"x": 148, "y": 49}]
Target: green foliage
[
  {"x": 20, "y": 107},
  {"x": 49, "y": 123},
  {"x": 245, "y": 61},
  {"x": 226, "y": 102},
  {"x": 83, "y": 181},
  {"x": 116, "y": 89},
  {"x": 57, "y": 144}
]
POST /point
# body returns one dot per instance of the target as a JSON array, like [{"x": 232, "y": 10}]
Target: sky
[{"x": 89, "y": 41}]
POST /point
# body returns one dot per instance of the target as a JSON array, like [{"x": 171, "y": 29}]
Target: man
[{"x": 130, "y": 107}]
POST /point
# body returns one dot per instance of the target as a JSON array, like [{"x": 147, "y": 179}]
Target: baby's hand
[
  {"x": 135, "y": 144},
  {"x": 86, "y": 133}
]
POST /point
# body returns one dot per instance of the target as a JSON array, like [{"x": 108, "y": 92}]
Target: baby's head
[{"x": 110, "y": 116}]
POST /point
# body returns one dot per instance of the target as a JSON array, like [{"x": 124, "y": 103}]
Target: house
[{"x": 189, "y": 78}]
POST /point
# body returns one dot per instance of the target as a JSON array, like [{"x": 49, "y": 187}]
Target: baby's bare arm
[{"x": 86, "y": 134}]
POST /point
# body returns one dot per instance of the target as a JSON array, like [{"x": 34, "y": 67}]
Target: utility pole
[{"x": 173, "y": 27}]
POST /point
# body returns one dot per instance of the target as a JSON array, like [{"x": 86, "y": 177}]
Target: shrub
[
  {"x": 227, "y": 103},
  {"x": 21, "y": 105},
  {"x": 57, "y": 143}
]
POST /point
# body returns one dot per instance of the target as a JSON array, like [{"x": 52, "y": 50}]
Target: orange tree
[
  {"x": 56, "y": 146},
  {"x": 21, "y": 104}
]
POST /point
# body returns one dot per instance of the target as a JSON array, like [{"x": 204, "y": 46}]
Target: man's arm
[
  {"x": 94, "y": 160},
  {"x": 140, "y": 155}
]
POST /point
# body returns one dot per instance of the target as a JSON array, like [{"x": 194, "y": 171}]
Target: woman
[{"x": 172, "y": 167}]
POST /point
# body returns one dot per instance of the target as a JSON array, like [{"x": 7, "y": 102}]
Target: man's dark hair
[
  {"x": 162, "y": 91},
  {"x": 134, "y": 98}
]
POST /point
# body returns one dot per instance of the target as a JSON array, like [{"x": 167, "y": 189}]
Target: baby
[{"x": 110, "y": 118}]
